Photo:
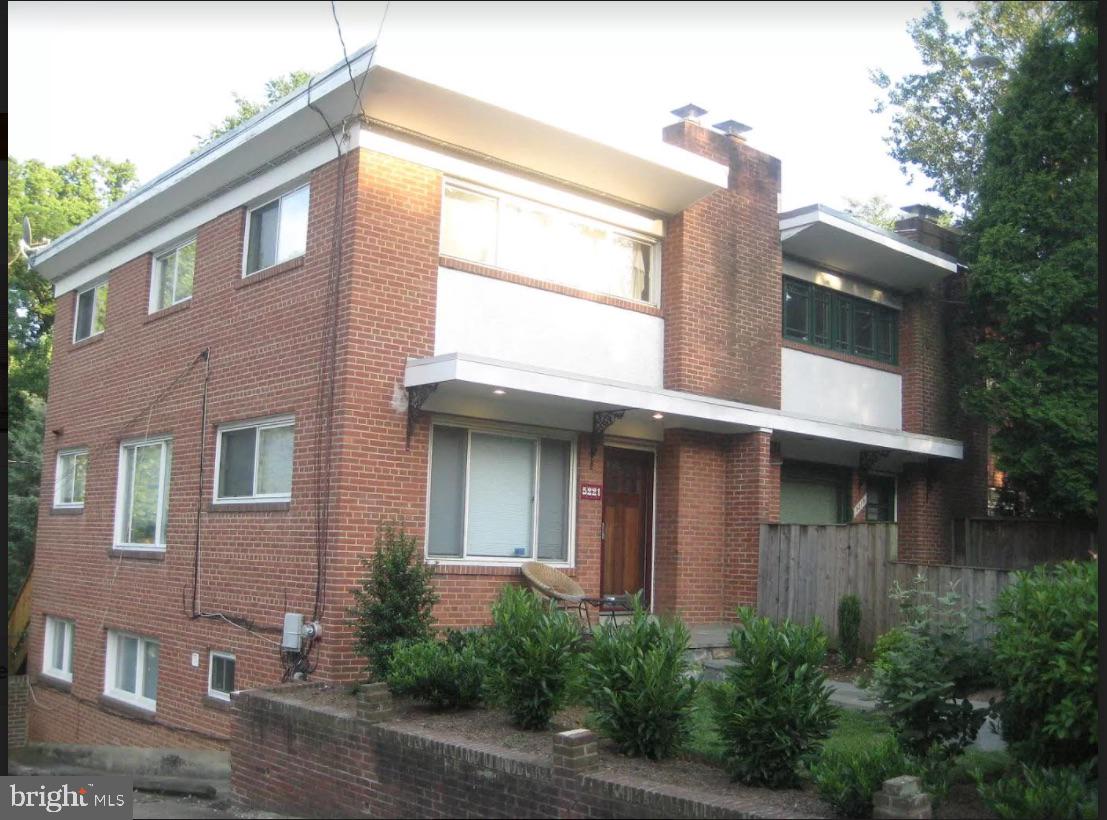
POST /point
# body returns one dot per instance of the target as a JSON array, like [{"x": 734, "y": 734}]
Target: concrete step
[{"x": 715, "y": 669}]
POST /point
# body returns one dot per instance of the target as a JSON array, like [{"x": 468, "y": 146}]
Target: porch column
[
  {"x": 923, "y": 515},
  {"x": 752, "y": 499}
]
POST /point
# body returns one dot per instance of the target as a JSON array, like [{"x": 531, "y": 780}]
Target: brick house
[{"x": 522, "y": 343}]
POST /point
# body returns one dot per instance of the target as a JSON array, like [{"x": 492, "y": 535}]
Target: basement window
[
  {"x": 253, "y": 461},
  {"x": 131, "y": 669},
  {"x": 69, "y": 479},
  {"x": 221, "y": 675},
  {"x": 500, "y": 496},
  {"x": 276, "y": 231},
  {"x": 91, "y": 312},
  {"x": 172, "y": 277},
  {"x": 57, "y": 651}
]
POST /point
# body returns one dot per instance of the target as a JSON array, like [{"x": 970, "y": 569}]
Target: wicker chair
[{"x": 556, "y": 586}]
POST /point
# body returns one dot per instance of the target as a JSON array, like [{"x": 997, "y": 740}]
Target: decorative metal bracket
[
  {"x": 416, "y": 396},
  {"x": 868, "y": 459},
  {"x": 601, "y": 420}
]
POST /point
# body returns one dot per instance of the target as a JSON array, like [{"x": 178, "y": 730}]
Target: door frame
[{"x": 648, "y": 566}]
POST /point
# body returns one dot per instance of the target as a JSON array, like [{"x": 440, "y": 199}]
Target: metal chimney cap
[
  {"x": 925, "y": 211},
  {"x": 689, "y": 112},
  {"x": 733, "y": 127}
]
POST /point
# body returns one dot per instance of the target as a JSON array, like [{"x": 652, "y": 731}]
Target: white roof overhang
[
  {"x": 839, "y": 241},
  {"x": 661, "y": 180},
  {"x": 464, "y": 386}
]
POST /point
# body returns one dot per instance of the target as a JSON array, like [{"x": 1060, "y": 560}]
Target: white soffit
[
  {"x": 663, "y": 180},
  {"x": 836, "y": 240},
  {"x": 461, "y": 372}
]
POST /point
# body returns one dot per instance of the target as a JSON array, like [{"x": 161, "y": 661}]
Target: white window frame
[
  {"x": 653, "y": 242},
  {"x": 67, "y": 629},
  {"x": 509, "y": 431},
  {"x": 155, "y": 278},
  {"x": 258, "y": 424},
  {"x": 279, "y": 199},
  {"x": 111, "y": 656},
  {"x": 62, "y": 454},
  {"x": 161, "y": 524},
  {"x": 212, "y": 655},
  {"x": 103, "y": 283}
]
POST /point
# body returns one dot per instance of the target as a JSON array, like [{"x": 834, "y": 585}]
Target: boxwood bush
[
  {"x": 1046, "y": 650},
  {"x": 773, "y": 709},
  {"x": 440, "y": 674},
  {"x": 532, "y": 652},
  {"x": 637, "y": 684}
]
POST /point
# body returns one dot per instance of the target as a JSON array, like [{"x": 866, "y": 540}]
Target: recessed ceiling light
[
  {"x": 659, "y": 416},
  {"x": 498, "y": 391}
]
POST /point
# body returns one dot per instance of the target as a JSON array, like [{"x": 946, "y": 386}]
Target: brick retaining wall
[
  {"x": 17, "y": 711},
  {"x": 322, "y": 761}
]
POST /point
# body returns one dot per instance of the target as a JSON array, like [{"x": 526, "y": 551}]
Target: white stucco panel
[
  {"x": 501, "y": 320},
  {"x": 821, "y": 387}
]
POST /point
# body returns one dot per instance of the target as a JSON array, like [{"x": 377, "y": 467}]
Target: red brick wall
[
  {"x": 720, "y": 285},
  {"x": 264, "y": 336},
  {"x": 714, "y": 492}
]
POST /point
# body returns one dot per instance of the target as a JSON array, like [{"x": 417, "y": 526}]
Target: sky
[{"x": 139, "y": 81}]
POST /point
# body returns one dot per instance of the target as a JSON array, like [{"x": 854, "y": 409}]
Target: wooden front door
[{"x": 627, "y": 521}]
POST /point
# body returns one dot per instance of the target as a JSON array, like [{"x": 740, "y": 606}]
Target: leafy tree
[
  {"x": 1032, "y": 251},
  {"x": 876, "y": 210},
  {"x": 275, "y": 89},
  {"x": 939, "y": 116},
  {"x": 24, "y": 474},
  {"x": 56, "y": 199}
]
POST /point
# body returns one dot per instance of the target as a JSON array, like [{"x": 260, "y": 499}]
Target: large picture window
[
  {"x": 253, "y": 461},
  {"x": 499, "y": 496},
  {"x": 548, "y": 243},
  {"x": 277, "y": 230},
  {"x": 825, "y": 318},
  {"x": 142, "y": 498}
]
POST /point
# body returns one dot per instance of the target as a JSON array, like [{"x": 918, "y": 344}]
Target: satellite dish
[
  {"x": 26, "y": 245},
  {"x": 27, "y": 230}
]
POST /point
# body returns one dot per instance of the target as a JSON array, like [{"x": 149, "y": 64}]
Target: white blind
[
  {"x": 501, "y": 496},
  {"x": 553, "y": 501},
  {"x": 447, "y": 492}
]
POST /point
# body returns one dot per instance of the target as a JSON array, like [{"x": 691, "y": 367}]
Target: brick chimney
[
  {"x": 920, "y": 225},
  {"x": 721, "y": 275}
]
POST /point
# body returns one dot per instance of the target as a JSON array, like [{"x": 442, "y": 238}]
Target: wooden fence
[
  {"x": 804, "y": 571},
  {"x": 1015, "y": 543}
]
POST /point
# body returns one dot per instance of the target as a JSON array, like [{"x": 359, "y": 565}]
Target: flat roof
[
  {"x": 838, "y": 240},
  {"x": 663, "y": 179}
]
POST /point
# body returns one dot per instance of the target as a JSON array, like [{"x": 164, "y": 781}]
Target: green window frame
[{"x": 824, "y": 318}]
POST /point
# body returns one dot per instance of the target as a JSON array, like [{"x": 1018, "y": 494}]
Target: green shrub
[
  {"x": 1046, "y": 651},
  {"x": 637, "y": 684},
  {"x": 437, "y": 673},
  {"x": 847, "y": 779},
  {"x": 919, "y": 679},
  {"x": 773, "y": 709},
  {"x": 849, "y": 628},
  {"x": 1049, "y": 794},
  {"x": 532, "y": 651},
  {"x": 394, "y": 602}
]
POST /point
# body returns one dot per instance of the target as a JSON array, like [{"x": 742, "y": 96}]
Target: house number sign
[{"x": 592, "y": 492}]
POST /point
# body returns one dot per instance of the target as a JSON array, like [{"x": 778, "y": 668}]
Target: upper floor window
[
  {"x": 142, "y": 498},
  {"x": 69, "y": 478},
  {"x": 92, "y": 312},
  {"x": 499, "y": 495},
  {"x": 253, "y": 461},
  {"x": 548, "y": 243},
  {"x": 172, "y": 278},
  {"x": 826, "y": 318},
  {"x": 277, "y": 230},
  {"x": 57, "y": 650}
]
